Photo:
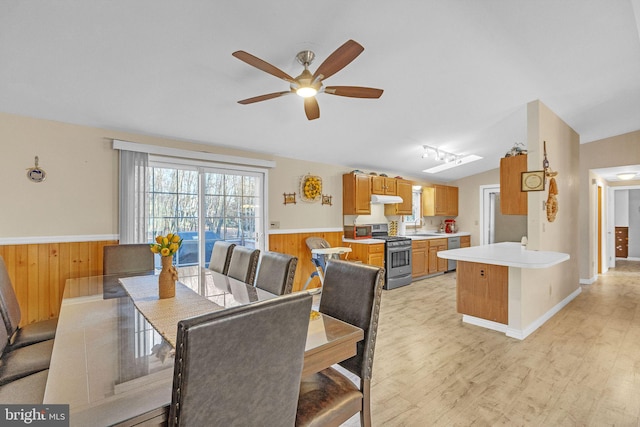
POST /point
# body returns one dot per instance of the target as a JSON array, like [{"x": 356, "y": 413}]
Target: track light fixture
[{"x": 450, "y": 160}]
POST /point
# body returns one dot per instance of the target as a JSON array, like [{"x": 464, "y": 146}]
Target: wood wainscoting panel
[
  {"x": 38, "y": 273},
  {"x": 294, "y": 244}
]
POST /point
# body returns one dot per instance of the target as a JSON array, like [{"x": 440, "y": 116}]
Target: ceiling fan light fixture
[
  {"x": 306, "y": 91},
  {"x": 626, "y": 176}
]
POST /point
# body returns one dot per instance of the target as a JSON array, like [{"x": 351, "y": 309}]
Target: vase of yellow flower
[{"x": 167, "y": 246}]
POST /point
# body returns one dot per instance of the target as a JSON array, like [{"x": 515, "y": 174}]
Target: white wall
[{"x": 621, "y": 215}]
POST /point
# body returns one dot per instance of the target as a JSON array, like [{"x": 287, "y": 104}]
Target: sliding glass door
[{"x": 203, "y": 205}]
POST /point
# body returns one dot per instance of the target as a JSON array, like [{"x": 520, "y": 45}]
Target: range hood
[{"x": 385, "y": 200}]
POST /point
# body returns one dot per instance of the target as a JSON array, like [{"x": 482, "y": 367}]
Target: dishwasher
[{"x": 452, "y": 243}]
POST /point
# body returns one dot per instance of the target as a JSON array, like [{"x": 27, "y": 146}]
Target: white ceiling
[{"x": 456, "y": 74}]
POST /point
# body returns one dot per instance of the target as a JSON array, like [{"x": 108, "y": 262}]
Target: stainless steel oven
[{"x": 397, "y": 257}]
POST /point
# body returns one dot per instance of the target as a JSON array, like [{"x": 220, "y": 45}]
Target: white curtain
[{"x": 133, "y": 197}]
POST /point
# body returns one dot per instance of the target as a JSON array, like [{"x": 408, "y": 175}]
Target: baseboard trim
[
  {"x": 588, "y": 281},
  {"x": 522, "y": 334},
  {"x": 57, "y": 239},
  {"x": 488, "y": 324}
]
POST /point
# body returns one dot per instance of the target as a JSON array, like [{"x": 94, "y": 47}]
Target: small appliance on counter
[
  {"x": 450, "y": 226},
  {"x": 357, "y": 231},
  {"x": 393, "y": 228}
]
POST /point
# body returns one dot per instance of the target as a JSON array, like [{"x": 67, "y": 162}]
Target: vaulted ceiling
[{"x": 456, "y": 74}]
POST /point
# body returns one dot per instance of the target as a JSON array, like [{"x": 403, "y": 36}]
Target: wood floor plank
[{"x": 581, "y": 368}]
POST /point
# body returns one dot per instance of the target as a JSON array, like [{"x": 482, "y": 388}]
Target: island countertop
[{"x": 510, "y": 254}]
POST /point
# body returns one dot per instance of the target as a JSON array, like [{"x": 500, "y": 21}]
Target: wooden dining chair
[
  {"x": 276, "y": 272},
  {"x": 243, "y": 264},
  {"x": 351, "y": 293},
  {"x": 221, "y": 256},
  {"x": 11, "y": 315},
  {"x": 129, "y": 258},
  {"x": 236, "y": 367}
]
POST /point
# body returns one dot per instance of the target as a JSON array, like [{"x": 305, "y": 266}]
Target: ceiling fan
[{"x": 307, "y": 85}]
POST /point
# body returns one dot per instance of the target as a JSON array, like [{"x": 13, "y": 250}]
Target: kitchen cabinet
[
  {"x": 465, "y": 241},
  {"x": 419, "y": 258},
  {"x": 404, "y": 189},
  {"x": 622, "y": 242},
  {"x": 513, "y": 201},
  {"x": 482, "y": 290},
  {"x": 369, "y": 254},
  {"x": 356, "y": 194},
  {"x": 383, "y": 185},
  {"x": 440, "y": 200},
  {"x": 435, "y": 264}
]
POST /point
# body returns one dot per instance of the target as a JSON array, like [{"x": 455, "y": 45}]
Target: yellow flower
[{"x": 166, "y": 245}]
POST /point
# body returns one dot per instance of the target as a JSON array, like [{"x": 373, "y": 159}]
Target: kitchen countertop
[
  {"x": 510, "y": 254},
  {"x": 409, "y": 235}
]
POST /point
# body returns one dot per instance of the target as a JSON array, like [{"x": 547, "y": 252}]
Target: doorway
[{"x": 495, "y": 227}]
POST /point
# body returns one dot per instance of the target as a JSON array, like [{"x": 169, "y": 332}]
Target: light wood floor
[{"x": 581, "y": 368}]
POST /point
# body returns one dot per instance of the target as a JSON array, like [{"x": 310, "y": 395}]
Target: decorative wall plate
[
  {"x": 35, "y": 174},
  {"x": 533, "y": 181},
  {"x": 311, "y": 188}
]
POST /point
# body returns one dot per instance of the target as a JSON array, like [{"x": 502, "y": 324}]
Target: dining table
[{"x": 113, "y": 353}]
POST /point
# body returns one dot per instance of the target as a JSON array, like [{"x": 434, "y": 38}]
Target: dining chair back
[
  {"x": 276, "y": 273},
  {"x": 11, "y": 315},
  {"x": 243, "y": 264},
  {"x": 129, "y": 258},
  {"x": 351, "y": 293},
  {"x": 221, "y": 256},
  {"x": 254, "y": 378}
]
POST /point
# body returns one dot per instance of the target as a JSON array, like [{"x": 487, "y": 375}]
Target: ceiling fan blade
[
  {"x": 311, "y": 108},
  {"x": 339, "y": 59},
  {"x": 264, "y": 97},
  {"x": 254, "y": 61},
  {"x": 354, "y": 91}
]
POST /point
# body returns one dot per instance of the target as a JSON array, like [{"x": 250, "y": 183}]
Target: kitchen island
[{"x": 488, "y": 288}]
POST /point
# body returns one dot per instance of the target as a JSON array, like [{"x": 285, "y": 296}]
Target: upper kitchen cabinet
[
  {"x": 405, "y": 191},
  {"x": 383, "y": 185},
  {"x": 356, "y": 194},
  {"x": 440, "y": 200},
  {"x": 513, "y": 201}
]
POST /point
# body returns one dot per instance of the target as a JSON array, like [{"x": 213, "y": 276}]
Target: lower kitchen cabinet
[
  {"x": 482, "y": 290},
  {"x": 437, "y": 265},
  {"x": 369, "y": 254},
  {"x": 424, "y": 257},
  {"x": 419, "y": 258},
  {"x": 465, "y": 241}
]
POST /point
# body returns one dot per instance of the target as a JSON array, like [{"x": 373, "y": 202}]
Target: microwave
[{"x": 357, "y": 231}]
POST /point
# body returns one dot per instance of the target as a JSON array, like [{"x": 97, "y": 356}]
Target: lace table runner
[{"x": 164, "y": 314}]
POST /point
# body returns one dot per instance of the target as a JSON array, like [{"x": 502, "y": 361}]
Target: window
[
  {"x": 415, "y": 219},
  {"x": 204, "y": 204}
]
